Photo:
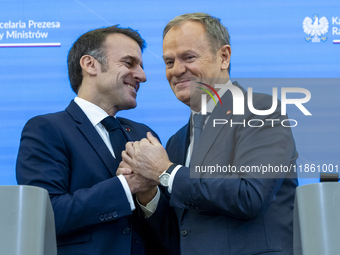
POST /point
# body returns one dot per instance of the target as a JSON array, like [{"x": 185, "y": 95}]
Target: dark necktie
[
  {"x": 116, "y": 134},
  {"x": 198, "y": 128}
]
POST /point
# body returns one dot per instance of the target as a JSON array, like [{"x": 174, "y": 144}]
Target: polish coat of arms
[{"x": 315, "y": 28}]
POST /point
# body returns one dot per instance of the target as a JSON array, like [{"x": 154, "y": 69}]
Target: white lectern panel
[{"x": 27, "y": 221}]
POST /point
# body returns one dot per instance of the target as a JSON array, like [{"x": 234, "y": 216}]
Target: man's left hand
[{"x": 147, "y": 157}]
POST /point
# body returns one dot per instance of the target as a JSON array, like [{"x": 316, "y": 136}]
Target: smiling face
[
  {"x": 118, "y": 80},
  {"x": 187, "y": 55}
]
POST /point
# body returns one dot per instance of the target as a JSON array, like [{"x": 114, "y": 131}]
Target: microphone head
[{"x": 329, "y": 177}]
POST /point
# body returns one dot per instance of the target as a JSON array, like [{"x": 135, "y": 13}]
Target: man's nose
[
  {"x": 139, "y": 74},
  {"x": 179, "y": 68}
]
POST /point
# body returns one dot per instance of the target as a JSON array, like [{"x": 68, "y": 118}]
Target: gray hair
[{"x": 217, "y": 34}]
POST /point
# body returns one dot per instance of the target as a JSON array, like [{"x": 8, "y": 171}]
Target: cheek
[
  {"x": 168, "y": 75},
  {"x": 195, "y": 68}
]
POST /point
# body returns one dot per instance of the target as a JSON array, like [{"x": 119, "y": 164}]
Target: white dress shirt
[{"x": 96, "y": 114}]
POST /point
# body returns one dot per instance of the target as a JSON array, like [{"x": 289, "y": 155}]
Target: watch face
[{"x": 164, "y": 179}]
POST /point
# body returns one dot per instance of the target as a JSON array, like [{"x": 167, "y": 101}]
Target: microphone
[{"x": 328, "y": 177}]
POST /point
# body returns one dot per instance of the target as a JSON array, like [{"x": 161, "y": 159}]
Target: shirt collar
[
  {"x": 211, "y": 104},
  {"x": 93, "y": 112}
]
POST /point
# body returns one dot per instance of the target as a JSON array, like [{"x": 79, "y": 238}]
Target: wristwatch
[{"x": 165, "y": 176}]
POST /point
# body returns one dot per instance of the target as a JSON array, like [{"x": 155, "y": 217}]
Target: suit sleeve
[
  {"x": 45, "y": 160},
  {"x": 165, "y": 225},
  {"x": 239, "y": 194}
]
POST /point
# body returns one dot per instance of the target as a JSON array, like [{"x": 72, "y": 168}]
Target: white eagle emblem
[{"x": 315, "y": 29}]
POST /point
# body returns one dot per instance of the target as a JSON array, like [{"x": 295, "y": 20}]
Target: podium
[
  {"x": 317, "y": 219},
  {"x": 26, "y": 221}
]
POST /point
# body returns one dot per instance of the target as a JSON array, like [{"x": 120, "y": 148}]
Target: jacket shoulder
[{"x": 140, "y": 127}]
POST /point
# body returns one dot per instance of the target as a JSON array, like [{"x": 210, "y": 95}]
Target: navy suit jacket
[
  {"x": 63, "y": 153},
  {"x": 234, "y": 213}
]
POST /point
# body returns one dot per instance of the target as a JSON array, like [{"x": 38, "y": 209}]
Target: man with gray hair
[{"x": 223, "y": 212}]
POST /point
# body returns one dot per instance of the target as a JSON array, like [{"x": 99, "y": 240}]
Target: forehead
[
  {"x": 189, "y": 35},
  {"x": 119, "y": 45}
]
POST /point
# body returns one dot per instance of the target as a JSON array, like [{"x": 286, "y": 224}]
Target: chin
[
  {"x": 128, "y": 106},
  {"x": 132, "y": 106},
  {"x": 184, "y": 99}
]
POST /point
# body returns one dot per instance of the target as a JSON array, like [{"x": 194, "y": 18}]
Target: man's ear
[
  {"x": 225, "y": 53},
  {"x": 89, "y": 64}
]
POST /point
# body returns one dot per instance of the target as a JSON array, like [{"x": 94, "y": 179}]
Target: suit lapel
[
  {"x": 129, "y": 132},
  {"x": 184, "y": 144},
  {"x": 178, "y": 144},
  {"x": 211, "y": 133},
  {"x": 92, "y": 136},
  {"x": 177, "y": 149}
]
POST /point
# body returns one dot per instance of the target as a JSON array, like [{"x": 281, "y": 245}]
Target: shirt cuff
[
  {"x": 172, "y": 177},
  {"x": 151, "y": 207},
  {"x": 127, "y": 191}
]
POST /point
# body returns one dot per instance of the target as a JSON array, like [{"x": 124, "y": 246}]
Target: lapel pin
[
  {"x": 127, "y": 129},
  {"x": 228, "y": 112}
]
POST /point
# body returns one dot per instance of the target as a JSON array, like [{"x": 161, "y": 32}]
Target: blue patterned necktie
[
  {"x": 198, "y": 128},
  {"x": 116, "y": 134}
]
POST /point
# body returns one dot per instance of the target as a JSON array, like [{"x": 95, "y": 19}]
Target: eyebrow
[
  {"x": 166, "y": 58},
  {"x": 182, "y": 54}
]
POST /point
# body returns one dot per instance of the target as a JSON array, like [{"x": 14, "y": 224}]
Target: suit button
[
  {"x": 126, "y": 231},
  {"x": 197, "y": 206},
  {"x": 184, "y": 232},
  {"x": 109, "y": 216},
  {"x": 101, "y": 218},
  {"x": 115, "y": 214},
  {"x": 106, "y": 217},
  {"x": 136, "y": 241}
]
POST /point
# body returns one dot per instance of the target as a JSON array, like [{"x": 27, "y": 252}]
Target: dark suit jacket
[
  {"x": 236, "y": 213},
  {"x": 63, "y": 153}
]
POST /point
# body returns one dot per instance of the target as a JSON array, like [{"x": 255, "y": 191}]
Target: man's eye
[
  {"x": 128, "y": 63},
  {"x": 169, "y": 63}
]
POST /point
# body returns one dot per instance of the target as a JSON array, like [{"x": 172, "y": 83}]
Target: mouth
[
  {"x": 132, "y": 86},
  {"x": 176, "y": 83},
  {"x": 183, "y": 81}
]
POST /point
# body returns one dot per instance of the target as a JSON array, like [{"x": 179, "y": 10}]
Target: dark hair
[
  {"x": 93, "y": 43},
  {"x": 217, "y": 34}
]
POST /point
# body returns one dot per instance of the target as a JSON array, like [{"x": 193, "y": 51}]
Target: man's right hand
[{"x": 145, "y": 189}]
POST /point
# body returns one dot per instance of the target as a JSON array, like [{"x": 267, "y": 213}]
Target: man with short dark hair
[
  {"x": 75, "y": 153},
  {"x": 223, "y": 212}
]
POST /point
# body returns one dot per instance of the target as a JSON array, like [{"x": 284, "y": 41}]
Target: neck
[{"x": 100, "y": 102}]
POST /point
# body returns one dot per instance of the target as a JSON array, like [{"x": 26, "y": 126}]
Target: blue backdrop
[{"x": 267, "y": 40}]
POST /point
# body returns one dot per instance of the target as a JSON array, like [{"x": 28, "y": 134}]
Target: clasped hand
[{"x": 142, "y": 164}]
